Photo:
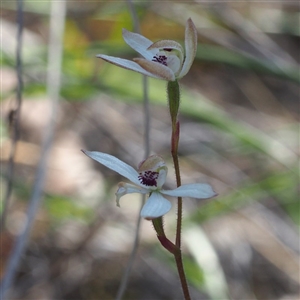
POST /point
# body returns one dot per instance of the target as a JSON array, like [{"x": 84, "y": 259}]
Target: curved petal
[
  {"x": 127, "y": 188},
  {"x": 194, "y": 190},
  {"x": 115, "y": 164},
  {"x": 190, "y": 46},
  {"x": 127, "y": 64},
  {"x": 156, "y": 69},
  {"x": 155, "y": 207},
  {"x": 139, "y": 43}
]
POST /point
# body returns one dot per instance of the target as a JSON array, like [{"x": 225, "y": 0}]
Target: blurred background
[{"x": 239, "y": 132}]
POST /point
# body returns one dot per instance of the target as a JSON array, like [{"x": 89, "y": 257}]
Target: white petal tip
[
  {"x": 100, "y": 55},
  {"x": 194, "y": 190},
  {"x": 84, "y": 151}
]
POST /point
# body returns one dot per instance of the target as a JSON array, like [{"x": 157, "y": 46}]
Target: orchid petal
[
  {"x": 194, "y": 190},
  {"x": 156, "y": 69},
  {"x": 127, "y": 188},
  {"x": 127, "y": 64},
  {"x": 139, "y": 43},
  {"x": 155, "y": 207},
  {"x": 190, "y": 47},
  {"x": 115, "y": 164}
]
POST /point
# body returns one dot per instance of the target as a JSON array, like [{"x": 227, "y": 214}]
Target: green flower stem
[
  {"x": 165, "y": 242},
  {"x": 174, "y": 151},
  {"x": 174, "y": 102},
  {"x": 158, "y": 226}
]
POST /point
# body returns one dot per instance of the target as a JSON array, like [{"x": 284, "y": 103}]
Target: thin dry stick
[
  {"x": 124, "y": 281},
  {"x": 15, "y": 113},
  {"x": 125, "y": 277},
  {"x": 58, "y": 12}
]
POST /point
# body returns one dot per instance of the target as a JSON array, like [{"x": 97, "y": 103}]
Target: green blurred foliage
[{"x": 62, "y": 208}]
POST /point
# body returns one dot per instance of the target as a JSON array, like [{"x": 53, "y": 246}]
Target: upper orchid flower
[
  {"x": 163, "y": 59},
  {"x": 149, "y": 179}
]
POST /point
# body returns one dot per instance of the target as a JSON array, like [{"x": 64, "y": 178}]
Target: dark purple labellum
[
  {"x": 162, "y": 59},
  {"x": 148, "y": 178}
]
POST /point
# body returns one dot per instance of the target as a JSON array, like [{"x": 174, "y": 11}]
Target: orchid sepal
[
  {"x": 194, "y": 190},
  {"x": 190, "y": 43},
  {"x": 114, "y": 164},
  {"x": 127, "y": 64},
  {"x": 139, "y": 43}
]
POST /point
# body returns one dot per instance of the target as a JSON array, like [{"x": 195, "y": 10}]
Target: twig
[
  {"x": 15, "y": 113},
  {"x": 58, "y": 11},
  {"x": 132, "y": 256}
]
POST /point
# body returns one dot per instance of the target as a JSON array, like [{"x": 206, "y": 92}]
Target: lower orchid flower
[{"x": 149, "y": 179}]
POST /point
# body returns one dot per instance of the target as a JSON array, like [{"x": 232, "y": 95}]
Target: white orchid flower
[
  {"x": 163, "y": 59},
  {"x": 149, "y": 179}
]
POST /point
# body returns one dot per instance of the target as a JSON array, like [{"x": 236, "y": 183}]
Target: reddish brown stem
[
  {"x": 184, "y": 285},
  {"x": 174, "y": 151},
  {"x": 174, "y": 101}
]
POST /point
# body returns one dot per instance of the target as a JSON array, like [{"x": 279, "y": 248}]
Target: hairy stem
[
  {"x": 184, "y": 285},
  {"x": 174, "y": 151},
  {"x": 174, "y": 102},
  {"x": 165, "y": 242}
]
